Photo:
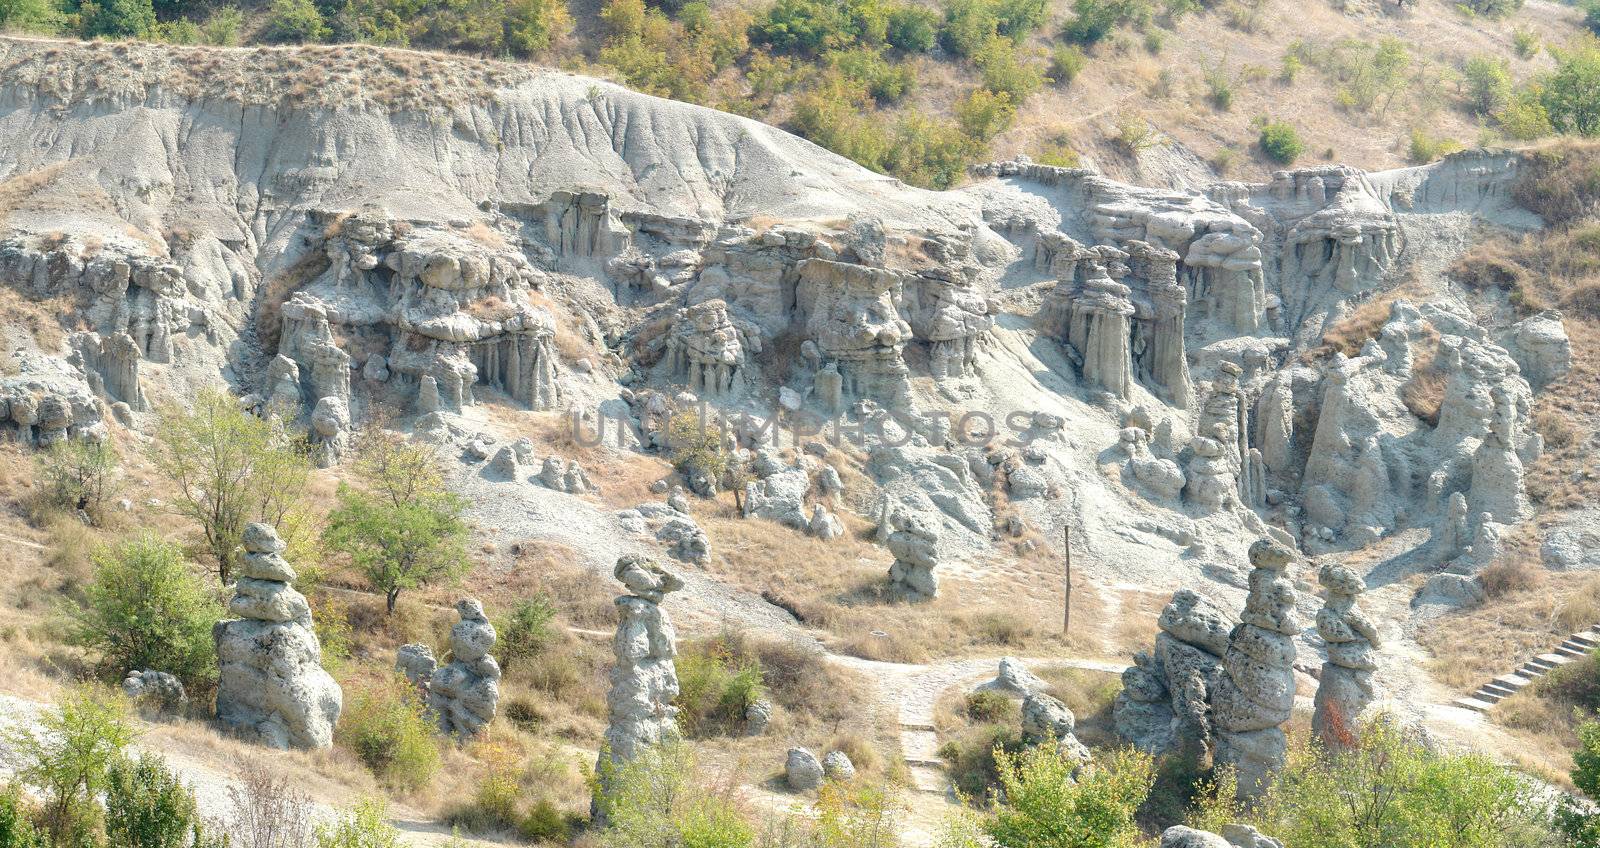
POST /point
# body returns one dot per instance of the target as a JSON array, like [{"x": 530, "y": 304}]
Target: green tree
[
  {"x": 148, "y": 806},
  {"x": 1006, "y": 72},
  {"x": 912, "y": 29},
  {"x": 1041, "y": 804},
  {"x": 222, "y": 28},
  {"x": 1571, "y": 95},
  {"x": 116, "y": 18},
  {"x": 1093, "y": 20},
  {"x": 78, "y": 475},
  {"x": 532, "y": 25},
  {"x": 403, "y": 529},
  {"x": 29, "y": 15},
  {"x": 66, "y": 757},
  {"x": 296, "y": 21},
  {"x": 146, "y": 609},
  {"x": 230, "y": 469},
  {"x": 527, "y": 631},
  {"x": 1488, "y": 82}
]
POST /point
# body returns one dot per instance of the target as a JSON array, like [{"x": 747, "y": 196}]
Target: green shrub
[
  {"x": 912, "y": 29},
  {"x": 813, "y": 26},
  {"x": 1004, "y": 72},
  {"x": 1525, "y": 42},
  {"x": 1280, "y": 142},
  {"x": 928, "y": 153},
  {"x": 968, "y": 26},
  {"x": 1017, "y": 19},
  {"x": 984, "y": 114},
  {"x": 399, "y": 544},
  {"x": 970, "y": 758},
  {"x": 1093, "y": 20},
  {"x": 366, "y": 826},
  {"x": 697, "y": 446},
  {"x": 1058, "y": 152},
  {"x": 1488, "y": 83},
  {"x": 715, "y": 687},
  {"x": 659, "y": 798},
  {"x": 29, "y": 16},
  {"x": 545, "y": 823},
  {"x": 66, "y": 756},
  {"x": 116, "y": 18},
  {"x": 1571, "y": 95},
  {"x": 145, "y": 608},
  {"x": 16, "y": 823},
  {"x": 1290, "y": 67},
  {"x": 532, "y": 25},
  {"x": 527, "y": 631},
  {"x": 866, "y": 68},
  {"x": 388, "y": 729},
  {"x": 1041, "y": 801},
  {"x": 1426, "y": 148},
  {"x": 1524, "y": 117},
  {"x": 1066, "y": 63},
  {"x": 295, "y": 21},
  {"x": 1591, "y": 15},
  {"x": 147, "y": 806},
  {"x": 988, "y": 706},
  {"x": 78, "y": 475},
  {"x": 1389, "y": 790},
  {"x": 223, "y": 27},
  {"x": 1155, "y": 40},
  {"x": 1219, "y": 88}
]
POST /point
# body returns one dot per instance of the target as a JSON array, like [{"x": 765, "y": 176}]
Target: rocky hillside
[{"x": 912, "y": 399}]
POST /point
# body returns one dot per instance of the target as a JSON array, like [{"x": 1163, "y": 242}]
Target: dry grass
[
  {"x": 1524, "y": 616},
  {"x": 40, "y": 319}
]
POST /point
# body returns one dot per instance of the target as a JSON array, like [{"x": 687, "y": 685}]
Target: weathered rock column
[
  {"x": 1256, "y": 694},
  {"x": 463, "y": 695},
  {"x": 272, "y": 688},
  {"x": 1497, "y": 486},
  {"x": 644, "y": 681},
  {"x": 1164, "y": 359},
  {"x": 1099, "y": 328},
  {"x": 1346, "y": 686},
  {"x": 915, "y": 545}
]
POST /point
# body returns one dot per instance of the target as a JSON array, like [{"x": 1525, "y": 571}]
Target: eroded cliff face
[{"x": 328, "y": 241}]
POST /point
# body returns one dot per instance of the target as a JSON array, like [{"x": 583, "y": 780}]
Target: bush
[
  {"x": 266, "y": 811},
  {"x": 1425, "y": 148},
  {"x": 527, "y": 631},
  {"x": 295, "y": 21},
  {"x": 1524, "y": 117},
  {"x": 968, "y": 26},
  {"x": 988, "y": 706},
  {"x": 367, "y": 826},
  {"x": 223, "y": 27},
  {"x": 1219, "y": 88},
  {"x": 147, "y": 806},
  {"x": 16, "y": 825},
  {"x": 696, "y": 446},
  {"x": 1280, "y": 142},
  {"x": 77, "y": 475},
  {"x": 1093, "y": 20},
  {"x": 29, "y": 16},
  {"x": 1004, "y": 72},
  {"x": 658, "y": 798},
  {"x": 1041, "y": 801},
  {"x": 387, "y": 727},
  {"x": 971, "y": 757},
  {"x": 1066, "y": 63},
  {"x": 1571, "y": 95},
  {"x": 912, "y": 29},
  {"x": 1525, "y": 42},
  {"x": 984, "y": 114},
  {"x": 1291, "y": 67},
  {"x": 67, "y": 756},
  {"x": 146, "y": 609},
  {"x": 1391, "y": 790},
  {"x": 813, "y": 26},
  {"x": 116, "y": 18},
  {"x": 1560, "y": 184},
  {"x": 715, "y": 687},
  {"x": 1488, "y": 82},
  {"x": 545, "y": 823}
]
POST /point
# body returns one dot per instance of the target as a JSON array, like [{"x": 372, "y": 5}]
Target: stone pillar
[
  {"x": 1497, "y": 485},
  {"x": 1255, "y": 696},
  {"x": 1099, "y": 328},
  {"x": 463, "y": 695},
  {"x": 915, "y": 545},
  {"x": 272, "y": 688},
  {"x": 644, "y": 680},
  {"x": 1346, "y": 685}
]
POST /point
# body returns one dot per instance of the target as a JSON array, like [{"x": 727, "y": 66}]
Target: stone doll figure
[{"x": 1346, "y": 687}]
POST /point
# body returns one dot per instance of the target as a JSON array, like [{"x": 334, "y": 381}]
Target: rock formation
[
  {"x": 1497, "y": 486},
  {"x": 1165, "y": 703},
  {"x": 1256, "y": 695},
  {"x": 1047, "y": 721},
  {"x": 417, "y": 663},
  {"x": 915, "y": 545},
  {"x": 852, "y": 317},
  {"x": 802, "y": 770},
  {"x": 272, "y": 688},
  {"x": 708, "y": 350},
  {"x": 644, "y": 680},
  {"x": 463, "y": 694},
  {"x": 156, "y": 693},
  {"x": 1346, "y": 686}
]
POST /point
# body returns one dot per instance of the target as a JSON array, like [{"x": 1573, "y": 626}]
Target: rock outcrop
[
  {"x": 272, "y": 688},
  {"x": 463, "y": 694},
  {"x": 915, "y": 545},
  {"x": 1255, "y": 696},
  {"x": 157, "y": 694},
  {"x": 1346, "y": 687}
]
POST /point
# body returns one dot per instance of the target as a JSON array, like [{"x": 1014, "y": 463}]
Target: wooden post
[{"x": 1066, "y": 609}]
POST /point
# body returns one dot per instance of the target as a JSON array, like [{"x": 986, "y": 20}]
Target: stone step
[
  {"x": 1587, "y": 637},
  {"x": 928, "y": 779},
  {"x": 1575, "y": 645},
  {"x": 1494, "y": 691},
  {"x": 1474, "y": 704},
  {"x": 1570, "y": 653},
  {"x": 1513, "y": 681}
]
